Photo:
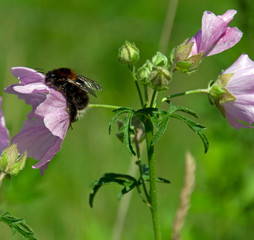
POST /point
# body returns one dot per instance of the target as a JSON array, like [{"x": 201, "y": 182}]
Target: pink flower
[
  {"x": 215, "y": 35},
  {"x": 4, "y": 133},
  {"x": 240, "y": 111},
  {"x": 46, "y": 125}
]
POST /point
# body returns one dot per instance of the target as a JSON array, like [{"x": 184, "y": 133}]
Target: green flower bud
[
  {"x": 18, "y": 165},
  {"x": 9, "y": 156},
  {"x": 128, "y": 53},
  {"x": 160, "y": 60},
  {"x": 3, "y": 162},
  {"x": 11, "y": 162},
  {"x": 143, "y": 73},
  {"x": 149, "y": 65},
  {"x": 159, "y": 78}
]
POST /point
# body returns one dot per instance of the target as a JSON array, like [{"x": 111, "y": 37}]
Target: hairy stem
[
  {"x": 185, "y": 93},
  {"x": 103, "y": 106},
  {"x": 154, "y": 97},
  {"x": 152, "y": 175},
  {"x": 146, "y": 95},
  {"x": 132, "y": 70}
]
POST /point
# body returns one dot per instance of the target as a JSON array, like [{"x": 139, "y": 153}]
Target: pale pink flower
[
  {"x": 240, "y": 112},
  {"x": 215, "y": 35},
  {"x": 46, "y": 125}
]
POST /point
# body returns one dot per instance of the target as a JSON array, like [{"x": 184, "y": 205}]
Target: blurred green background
[{"x": 85, "y": 36}]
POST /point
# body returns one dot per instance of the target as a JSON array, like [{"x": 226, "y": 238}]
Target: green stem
[
  {"x": 152, "y": 174},
  {"x": 132, "y": 70},
  {"x": 185, "y": 93},
  {"x": 154, "y": 97},
  {"x": 146, "y": 94},
  {"x": 139, "y": 93},
  {"x": 161, "y": 98},
  {"x": 2, "y": 175},
  {"x": 103, "y": 106},
  {"x": 147, "y": 199}
]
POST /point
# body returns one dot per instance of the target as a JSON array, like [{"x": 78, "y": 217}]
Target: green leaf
[
  {"x": 161, "y": 127},
  {"x": 126, "y": 130},
  {"x": 18, "y": 225},
  {"x": 187, "y": 110},
  {"x": 146, "y": 177},
  {"x": 158, "y": 118},
  {"x": 154, "y": 120},
  {"x": 172, "y": 107},
  {"x": 197, "y": 128},
  {"x": 127, "y": 181},
  {"x": 152, "y": 113},
  {"x": 118, "y": 112}
]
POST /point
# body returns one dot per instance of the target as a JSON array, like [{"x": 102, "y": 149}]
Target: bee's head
[
  {"x": 50, "y": 76},
  {"x": 59, "y": 75}
]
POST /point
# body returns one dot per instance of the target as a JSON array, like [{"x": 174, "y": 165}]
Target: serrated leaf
[
  {"x": 118, "y": 112},
  {"x": 162, "y": 180},
  {"x": 127, "y": 181},
  {"x": 147, "y": 111},
  {"x": 187, "y": 110},
  {"x": 126, "y": 130},
  {"x": 152, "y": 113},
  {"x": 18, "y": 225},
  {"x": 122, "y": 109},
  {"x": 162, "y": 127},
  {"x": 172, "y": 107},
  {"x": 154, "y": 120},
  {"x": 197, "y": 128}
]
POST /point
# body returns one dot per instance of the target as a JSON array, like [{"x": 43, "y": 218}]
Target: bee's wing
[
  {"x": 89, "y": 83},
  {"x": 86, "y": 84}
]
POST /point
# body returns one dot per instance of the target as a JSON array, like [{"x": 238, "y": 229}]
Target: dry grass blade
[{"x": 187, "y": 190}]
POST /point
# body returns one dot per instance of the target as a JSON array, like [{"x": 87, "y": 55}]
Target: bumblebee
[{"x": 74, "y": 87}]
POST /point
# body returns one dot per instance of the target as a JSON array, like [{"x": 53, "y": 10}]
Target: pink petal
[
  {"x": 242, "y": 63},
  {"x": 54, "y": 112},
  {"x": 4, "y": 133},
  {"x": 242, "y": 109},
  {"x": 235, "y": 123},
  {"x": 215, "y": 36},
  {"x": 32, "y": 96},
  {"x": 196, "y": 40},
  {"x": 38, "y": 141},
  {"x": 212, "y": 29},
  {"x": 27, "y": 75},
  {"x": 230, "y": 38},
  {"x": 241, "y": 85},
  {"x": 228, "y": 15}
]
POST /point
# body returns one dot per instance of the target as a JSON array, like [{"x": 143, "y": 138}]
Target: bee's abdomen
[{"x": 77, "y": 102}]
